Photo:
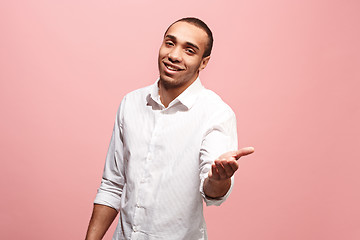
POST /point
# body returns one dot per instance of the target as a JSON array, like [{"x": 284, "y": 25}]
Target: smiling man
[{"x": 174, "y": 145}]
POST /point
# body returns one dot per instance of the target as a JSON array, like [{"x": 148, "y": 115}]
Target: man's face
[{"x": 180, "y": 55}]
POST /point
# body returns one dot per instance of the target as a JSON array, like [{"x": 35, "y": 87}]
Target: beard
[{"x": 171, "y": 84}]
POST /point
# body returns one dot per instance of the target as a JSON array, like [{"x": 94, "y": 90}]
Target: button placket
[{"x": 144, "y": 179}]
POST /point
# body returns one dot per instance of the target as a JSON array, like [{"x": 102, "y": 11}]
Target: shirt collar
[{"x": 187, "y": 97}]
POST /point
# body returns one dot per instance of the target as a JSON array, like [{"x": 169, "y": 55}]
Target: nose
[{"x": 175, "y": 55}]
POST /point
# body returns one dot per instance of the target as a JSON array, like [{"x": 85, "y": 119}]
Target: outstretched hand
[{"x": 226, "y": 165}]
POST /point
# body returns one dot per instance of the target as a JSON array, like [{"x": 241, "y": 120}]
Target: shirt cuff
[
  {"x": 215, "y": 201},
  {"x": 108, "y": 199}
]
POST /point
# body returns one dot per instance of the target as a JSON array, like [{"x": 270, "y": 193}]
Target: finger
[
  {"x": 243, "y": 152},
  {"x": 214, "y": 173},
  {"x": 228, "y": 169},
  {"x": 220, "y": 169},
  {"x": 234, "y": 165}
]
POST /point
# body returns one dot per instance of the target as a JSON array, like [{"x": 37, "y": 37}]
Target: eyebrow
[{"x": 188, "y": 43}]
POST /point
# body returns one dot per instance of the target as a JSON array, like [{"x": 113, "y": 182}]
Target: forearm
[
  {"x": 216, "y": 188},
  {"x": 100, "y": 221}
]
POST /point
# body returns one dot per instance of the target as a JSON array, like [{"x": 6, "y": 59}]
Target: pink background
[{"x": 289, "y": 69}]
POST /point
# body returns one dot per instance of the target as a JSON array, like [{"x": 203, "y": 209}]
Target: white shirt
[{"x": 158, "y": 159}]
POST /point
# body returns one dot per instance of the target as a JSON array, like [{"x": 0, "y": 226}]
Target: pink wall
[{"x": 289, "y": 69}]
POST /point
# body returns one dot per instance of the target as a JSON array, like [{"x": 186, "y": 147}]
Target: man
[{"x": 173, "y": 144}]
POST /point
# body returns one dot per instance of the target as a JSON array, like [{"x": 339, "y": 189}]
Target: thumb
[{"x": 243, "y": 152}]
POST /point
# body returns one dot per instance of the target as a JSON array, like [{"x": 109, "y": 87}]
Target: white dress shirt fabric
[{"x": 158, "y": 159}]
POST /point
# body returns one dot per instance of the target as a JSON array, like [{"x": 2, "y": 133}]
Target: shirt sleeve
[
  {"x": 221, "y": 137},
  {"x": 113, "y": 179}
]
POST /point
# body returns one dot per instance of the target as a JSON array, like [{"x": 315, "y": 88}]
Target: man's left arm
[{"x": 218, "y": 182}]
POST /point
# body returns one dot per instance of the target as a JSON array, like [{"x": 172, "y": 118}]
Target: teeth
[{"x": 172, "y": 68}]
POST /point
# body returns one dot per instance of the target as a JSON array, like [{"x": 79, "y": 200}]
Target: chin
[{"x": 169, "y": 82}]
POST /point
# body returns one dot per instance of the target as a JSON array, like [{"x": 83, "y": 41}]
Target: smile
[{"x": 172, "y": 67}]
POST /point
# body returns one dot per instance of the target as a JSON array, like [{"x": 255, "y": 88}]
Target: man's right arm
[
  {"x": 101, "y": 219},
  {"x": 108, "y": 198}
]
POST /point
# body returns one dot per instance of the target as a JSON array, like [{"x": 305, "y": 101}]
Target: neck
[{"x": 168, "y": 94}]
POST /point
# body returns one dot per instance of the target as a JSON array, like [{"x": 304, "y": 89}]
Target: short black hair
[{"x": 200, "y": 24}]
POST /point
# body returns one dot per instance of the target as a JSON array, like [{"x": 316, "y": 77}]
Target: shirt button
[
  {"x": 134, "y": 228},
  {"x": 142, "y": 180}
]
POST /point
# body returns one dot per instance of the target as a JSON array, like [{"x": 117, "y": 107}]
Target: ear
[{"x": 204, "y": 62}]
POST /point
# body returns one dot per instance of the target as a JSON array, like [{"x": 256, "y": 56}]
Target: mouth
[{"x": 173, "y": 67}]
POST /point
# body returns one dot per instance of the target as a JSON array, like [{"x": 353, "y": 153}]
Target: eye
[
  {"x": 169, "y": 43},
  {"x": 190, "y": 50}
]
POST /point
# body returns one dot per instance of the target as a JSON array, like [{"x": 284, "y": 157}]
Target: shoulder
[
  {"x": 134, "y": 100},
  {"x": 213, "y": 103},
  {"x": 212, "y": 110},
  {"x": 135, "y": 97}
]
